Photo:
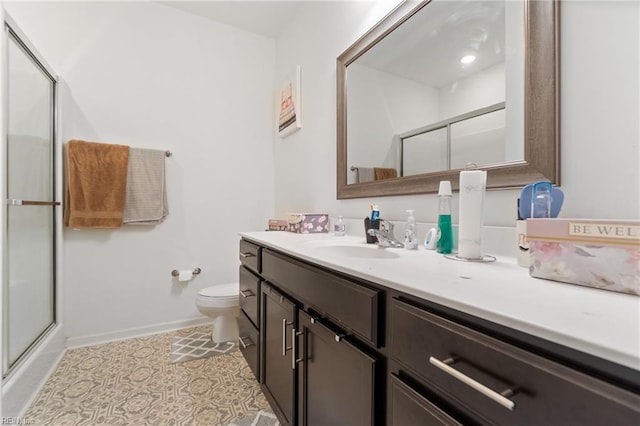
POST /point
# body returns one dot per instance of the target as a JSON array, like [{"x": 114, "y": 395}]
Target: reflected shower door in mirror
[
  {"x": 476, "y": 139},
  {"x": 437, "y": 86}
]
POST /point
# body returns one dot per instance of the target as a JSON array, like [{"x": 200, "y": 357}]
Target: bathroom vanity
[{"x": 341, "y": 332}]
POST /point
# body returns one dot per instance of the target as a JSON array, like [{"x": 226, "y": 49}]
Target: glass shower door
[{"x": 29, "y": 282}]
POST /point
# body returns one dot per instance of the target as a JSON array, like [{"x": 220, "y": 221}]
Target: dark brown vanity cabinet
[
  {"x": 336, "y": 380},
  {"x": 318, "y": 366},
  {"x": 278, "y": 364},
  {"x": 249, "y": 318},
  {"x": 337, "y": 350},
  {"x": 491, "y": 381}
]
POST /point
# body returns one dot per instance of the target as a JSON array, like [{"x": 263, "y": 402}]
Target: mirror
[{"x": 411, "y": 114}]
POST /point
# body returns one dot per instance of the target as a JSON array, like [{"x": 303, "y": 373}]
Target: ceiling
[
  {"x": 427, "y": 48},
  {"x": 264, "y": 17}
]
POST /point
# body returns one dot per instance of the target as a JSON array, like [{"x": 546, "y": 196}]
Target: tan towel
[
  {"x": 364, "y": 174},
  {"x": 146, "y": 202},
  {"x": 95, "y": 185},
  {"x": 385, "y": 173}
]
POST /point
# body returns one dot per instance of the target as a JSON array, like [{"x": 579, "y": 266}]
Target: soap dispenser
[
  {"x": 339, "y": 228},
  {"x": 410, "y": 237}
]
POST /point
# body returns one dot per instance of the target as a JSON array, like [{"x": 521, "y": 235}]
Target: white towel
[
  {"x": 364, "y": 174},
  {"x": 146, "y": 202}
]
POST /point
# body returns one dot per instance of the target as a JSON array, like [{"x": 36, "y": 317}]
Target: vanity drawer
[
  {"x": 250, "y": 256},
  {"x": 248, "y": 343},
  {"x": 249, "y": 291},
  {"x": 409, "y": 408},
  {"x": 470, "y": 370},
  {"x": 352, "y": 306}
]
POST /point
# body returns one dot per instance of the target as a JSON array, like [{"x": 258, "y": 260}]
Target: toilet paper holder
[{"x": 175, "y": 272}]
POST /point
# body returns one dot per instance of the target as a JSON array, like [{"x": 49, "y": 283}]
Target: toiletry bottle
[
  {"x": 445, "y": 231},
  {"x": 375, "y": 212},
  {"x": 339, "y": 229},
  {"x": 541, "y": 200},
  {"x": 410, "y": 237}
]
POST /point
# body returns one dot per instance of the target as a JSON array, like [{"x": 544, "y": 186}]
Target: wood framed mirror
[{"x": 531, "y": 118}]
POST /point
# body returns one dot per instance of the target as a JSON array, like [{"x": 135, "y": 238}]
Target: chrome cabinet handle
[
  {"x": 495, "y": 396},
  {"x": 247, "y": 254},
  {"x": 284, "y": 336},
  {"x": 243, "y": 344},
  {"x": 242, "y": 292},
  {"x": 294, "y": 344}
]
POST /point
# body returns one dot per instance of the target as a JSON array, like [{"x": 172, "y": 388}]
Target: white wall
[
  {"x": 150, "y": 76},
  {"x": 599, "y": 113},
  {"x": 380, "y": 106}
]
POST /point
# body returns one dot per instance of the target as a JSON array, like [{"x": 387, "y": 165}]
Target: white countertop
[{"x": 601, "y": 323}]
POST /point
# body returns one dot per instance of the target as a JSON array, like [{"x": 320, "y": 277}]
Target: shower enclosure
[{"x": 30, "y": 216}]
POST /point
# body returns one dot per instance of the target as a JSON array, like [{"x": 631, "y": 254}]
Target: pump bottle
[
  {"x": 410, "y": 237},
  {"x": 445, "y": 231}
]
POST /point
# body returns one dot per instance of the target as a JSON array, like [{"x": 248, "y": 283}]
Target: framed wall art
[{"x": 289, "y": 104}]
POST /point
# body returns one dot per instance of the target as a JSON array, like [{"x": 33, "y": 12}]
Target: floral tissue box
[
  {"x": 604, "y": 254},
  {"x": 306, "y": 223}
]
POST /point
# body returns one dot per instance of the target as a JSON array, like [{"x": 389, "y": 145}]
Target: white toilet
[{"x": 221, "y": 303}]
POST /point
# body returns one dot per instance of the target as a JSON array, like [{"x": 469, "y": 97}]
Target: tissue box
[
  {"x": 604, "y": 254},
  {"x": 278, "y": 225},
  {"x": 306, "y": 223}
]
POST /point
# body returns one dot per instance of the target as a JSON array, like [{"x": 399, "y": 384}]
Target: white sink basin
[{"x": 354, "y": 251}]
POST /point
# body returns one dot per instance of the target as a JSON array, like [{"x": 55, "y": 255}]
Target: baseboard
[{"x": 78, "y": 342}]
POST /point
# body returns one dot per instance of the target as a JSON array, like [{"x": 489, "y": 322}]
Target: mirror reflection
[
  {"x": 432, "y": 95},
  {"x": 383, "y": 123}
]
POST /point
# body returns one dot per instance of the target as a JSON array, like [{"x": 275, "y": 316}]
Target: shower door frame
[{"x": 11, "y": 30}]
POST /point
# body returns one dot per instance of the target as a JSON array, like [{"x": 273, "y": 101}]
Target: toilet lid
[{"x": 221, "y": 291}]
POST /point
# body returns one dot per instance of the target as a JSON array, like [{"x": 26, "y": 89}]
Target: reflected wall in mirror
[{"x": 411, "y": 99}]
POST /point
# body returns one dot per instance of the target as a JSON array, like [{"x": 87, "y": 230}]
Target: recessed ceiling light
[{"x": 467, "y": 59}]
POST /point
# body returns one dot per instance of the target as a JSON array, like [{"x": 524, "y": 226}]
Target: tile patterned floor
[
  {"x": 133, "y": 382},
  {"x": 198, "y": 345}
]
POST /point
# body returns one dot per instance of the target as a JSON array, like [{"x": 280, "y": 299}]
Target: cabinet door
[
  {"x": 337, "y": 381},
  {"x": 278, "y": 366}
]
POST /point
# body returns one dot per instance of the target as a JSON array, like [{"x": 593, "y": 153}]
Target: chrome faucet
[{"x": 385, "y": 235}]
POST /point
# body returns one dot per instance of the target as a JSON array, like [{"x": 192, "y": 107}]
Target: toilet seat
[{"x": 224, "y": 291}]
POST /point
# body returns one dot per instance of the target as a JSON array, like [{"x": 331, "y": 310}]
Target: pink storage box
[
  {"x": 604, "y": 254},
  {"x": 307, "y": 223},
  {"x": 278, "y": 225}
]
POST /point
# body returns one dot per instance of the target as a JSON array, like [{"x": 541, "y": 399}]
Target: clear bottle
[
  {"x": 339, "y": 228},
  {"x": 445, "y": 230},
  {"x": 410, "y": 237},
  {"x": 541, "y": 200}
]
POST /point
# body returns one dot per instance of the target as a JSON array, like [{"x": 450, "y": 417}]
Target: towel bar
[{"x": 175, "y": 272}]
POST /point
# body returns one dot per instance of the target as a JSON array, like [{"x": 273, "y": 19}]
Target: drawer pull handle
[
  {"x": 245, "y": 255},
  {"x": 243, "y": 344},
  {"x": 495, "y": 396},
  {"x": 243, "y": 293}
]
